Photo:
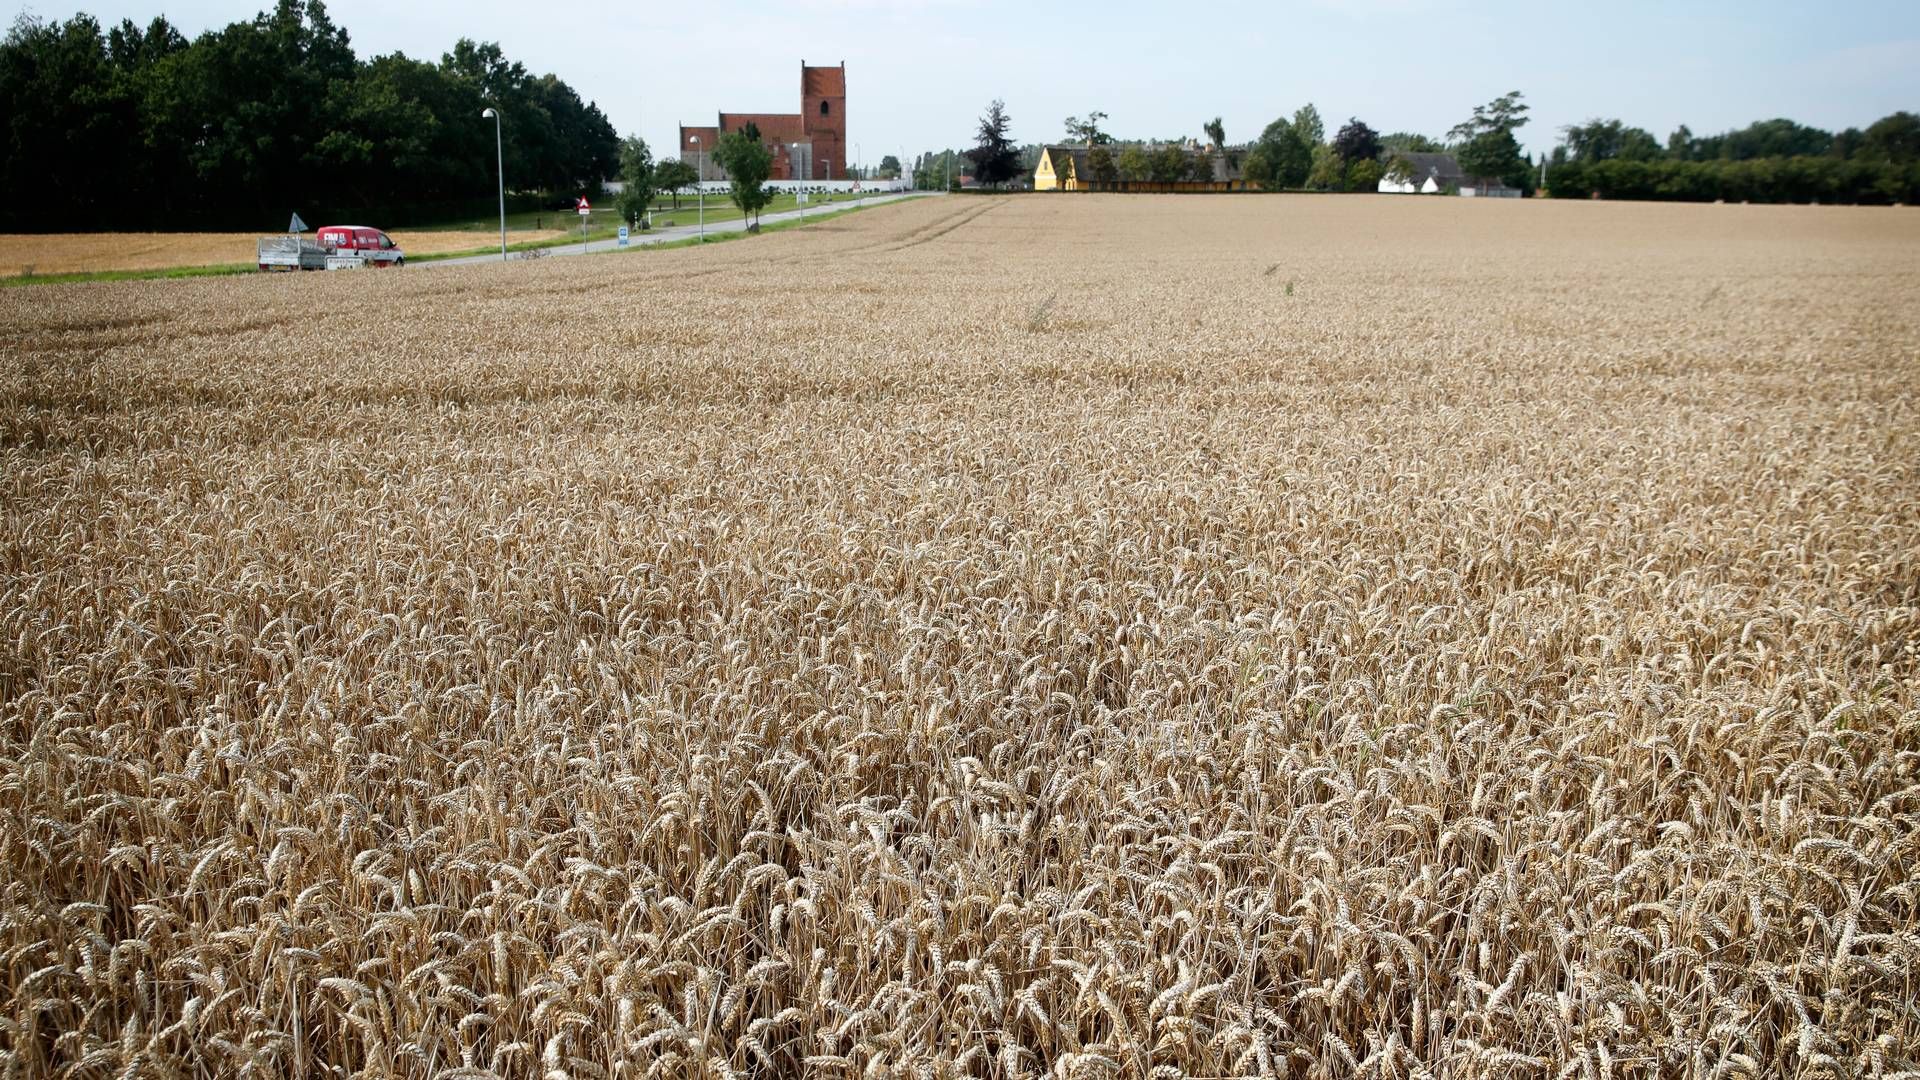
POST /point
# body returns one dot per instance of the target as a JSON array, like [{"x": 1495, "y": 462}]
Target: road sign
[
  {"x": 623, "y": 236},
  {"x": 296, "y": 225},
  {"x": 584, "y": 207}
]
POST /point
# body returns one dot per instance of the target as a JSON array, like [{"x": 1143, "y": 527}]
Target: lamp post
[
  {"x": 500, "y": 170},
  {"x": 700, "y": 184},
  {"x": 799, "y": 197}
]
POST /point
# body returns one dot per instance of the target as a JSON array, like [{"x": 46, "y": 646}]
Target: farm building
[
  {"x": 1433, "y": 174},
  {"x": 1440, "y": 174},
  {"x": 1069, "y": 168},
  {"x": 1061, "y": 168}
]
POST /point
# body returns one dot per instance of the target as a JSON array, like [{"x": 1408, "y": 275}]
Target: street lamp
[
  {"x": 500, "y": 170},
  {"x": 700, "y": 184},
  {"x": 799, "y": 196}
]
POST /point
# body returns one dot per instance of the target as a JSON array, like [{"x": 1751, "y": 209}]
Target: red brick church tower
[
  {"x": 823, "y": 117},
  {"x": 812, "y": 141}
]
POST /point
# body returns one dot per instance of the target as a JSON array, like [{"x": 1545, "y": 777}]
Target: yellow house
[{"x": 1060, "y": 168}]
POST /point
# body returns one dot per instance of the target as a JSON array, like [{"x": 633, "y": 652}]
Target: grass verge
[{"x": 127, "y": 275}]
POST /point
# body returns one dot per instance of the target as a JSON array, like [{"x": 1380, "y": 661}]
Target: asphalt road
[{"x": 682, "y": 232}]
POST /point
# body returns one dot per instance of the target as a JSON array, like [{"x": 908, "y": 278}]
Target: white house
[{"x": 1433, "y": 174}]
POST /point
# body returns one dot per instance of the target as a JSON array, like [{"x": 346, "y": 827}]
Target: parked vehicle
[
  {"x": 335, "y": 247},
  {"x": 350, "y": 247}
]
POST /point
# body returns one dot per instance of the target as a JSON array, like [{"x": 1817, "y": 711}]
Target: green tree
[
  {"x": 1088, "y": 131},
  {"x": 1134, "y": 164},
  {"x": 1494, "y": 155},
  {"x": 1600, "y": 140},
  {"x": 1169, "y": 163},
  {"x": 1217, "y": 133},
  {"x": 1328, "y": 172},
  {"x": 889, "y": 167},
  {"x": 995, "y": 159},
  {"x": 637, "y": 178},
  {"x": 1894, "y": 138},
  {"x": 1407, "y": 142},
  {"x": 1286, "y": 153},
  {"x": 674, "y": 176},
  {"x": 748, "y": 164},
  {"x": 1307, "y": 124},
  {"x": 1258, "y": 169},
  {"x": 1487, "y": 148},
  {"x": 1101, "y": 165},
  {"x": 1364, "y": 174},
  {"x": 1505, "y": 113}
]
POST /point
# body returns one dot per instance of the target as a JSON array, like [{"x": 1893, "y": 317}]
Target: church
[{"x": 808, "y": 145}]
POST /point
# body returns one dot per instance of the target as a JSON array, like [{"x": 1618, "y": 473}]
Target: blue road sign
[{"x": 623, "y": 236}]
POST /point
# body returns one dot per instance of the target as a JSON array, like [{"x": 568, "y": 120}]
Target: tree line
[
  {"x": 1771, "y": 161},
  {"x": 138, "y": 127}
]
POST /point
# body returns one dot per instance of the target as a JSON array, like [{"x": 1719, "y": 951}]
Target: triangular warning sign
[{"x": 296, "y": 225}]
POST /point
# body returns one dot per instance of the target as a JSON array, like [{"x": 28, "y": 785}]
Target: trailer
[{"x": 286, "y": 253}]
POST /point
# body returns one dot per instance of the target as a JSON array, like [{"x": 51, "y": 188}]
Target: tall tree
[
  {"x": 995, "y": 159},
  {"x": 1134, "y": 163},
  {"x": 1088, "y": 131},
  {"x": 1217, "y": 132},
  {"x": 1286, "y": 155},
  {"x": 1487, "y": 148},
  {"x": 1307, "y": 124},
  {"x": 889, "y": 167},
  {"x": 748, "y": 165},
  {"x": 638, "y": 182},
  {"x": 1505, "y": 113}
]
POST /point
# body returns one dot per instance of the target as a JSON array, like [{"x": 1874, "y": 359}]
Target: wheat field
[
  {"x": 84, "y": 253},
  {"x": 1078, "y": 636}
]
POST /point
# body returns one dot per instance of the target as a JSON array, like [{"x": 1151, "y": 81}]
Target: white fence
[
  {"x": 816, "y": 187},
  {"x": 869, "y": 187}
]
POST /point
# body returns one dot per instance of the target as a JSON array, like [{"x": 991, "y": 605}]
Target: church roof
[{"x": 779, "y": 127}]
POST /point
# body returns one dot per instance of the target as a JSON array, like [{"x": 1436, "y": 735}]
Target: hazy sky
[{"x": 920, "y": 71}]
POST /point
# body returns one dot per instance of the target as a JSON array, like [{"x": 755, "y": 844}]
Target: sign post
[
  {"x": 586, "y": 211},
  {"x": 623, "y": 236}
]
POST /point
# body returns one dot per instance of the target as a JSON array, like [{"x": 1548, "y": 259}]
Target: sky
[{"x": 920, "y": 72}]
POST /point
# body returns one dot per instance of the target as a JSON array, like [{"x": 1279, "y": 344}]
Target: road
[{"x": 684, "y": 232}]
